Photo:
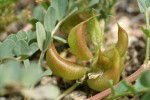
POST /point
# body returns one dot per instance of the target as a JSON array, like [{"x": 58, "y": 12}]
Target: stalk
[
  {"x": 41, "y": 58},
  {"x": 148, "y": 39},
  {"x": 67, "y": 91}
]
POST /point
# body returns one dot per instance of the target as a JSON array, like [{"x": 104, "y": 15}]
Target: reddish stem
[{"x": 130, "y": 78}]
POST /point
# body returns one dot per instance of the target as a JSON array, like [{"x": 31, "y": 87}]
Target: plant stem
[
  {"x": 148, "y": 39},
  {"x": 147, "y": 50},
  {"x": 67, "y": 91},
  {"x": 129, "y": 79},
  {"x": 147, "y": 20},
  {"x": 60, "y": 22},
  {"x": 128, "y": 93},
  {"x": 41, "y": 58},
  {"x": 55, "y": 29},
  {"x": 53, "y": 32}
]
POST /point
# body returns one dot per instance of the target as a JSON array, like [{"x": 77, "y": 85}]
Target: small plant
[
  {"x": 21, "y": 46},
  {"x": 76, "y": 18},
  {"x": 124, "y": 87}
]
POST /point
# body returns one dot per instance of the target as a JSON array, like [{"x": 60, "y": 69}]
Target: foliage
[
  {"x": 142, "y": 84},
  {"x": 21, "y": 45},
  {"x": 6, "y": 13},
  {"x": 143, "y": 5},
  {"x": 84, "y": 11},
  {"x": 70, "y": 16},
  {"x": 13, "y": 73}
]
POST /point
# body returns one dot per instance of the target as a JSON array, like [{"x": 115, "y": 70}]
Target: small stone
[{"x": 76, "y": 95}]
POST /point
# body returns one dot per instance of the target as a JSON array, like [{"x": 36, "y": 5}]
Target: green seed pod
[
  {"x": 103, "y": 63},
  {"x": 77, "y": 42},
  {"x": 121, "y": 45},
  {"x": 113, "y": 73},
  {"x": 62, "y": 67},
  {"x": 122, "y": 64}
]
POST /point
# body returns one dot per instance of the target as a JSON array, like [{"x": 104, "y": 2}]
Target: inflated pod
[
  {"x": 102, "y": 62},
  {"x": 122, "y": 64},
  {"x": 113, "y": 73},
  {"x": 121, "y": 45},
  {"x": 77, "y": 42},
  {"x": 63, "y": 68}
]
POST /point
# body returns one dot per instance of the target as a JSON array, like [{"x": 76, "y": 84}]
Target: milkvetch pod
[
  {"x": 113, "y": 73},
  {"x": 103, "y": 63},
  {"x": 121, "y": 45},
  {"x": 77, "y": 42},
  {"x": 63, "y": 68}
]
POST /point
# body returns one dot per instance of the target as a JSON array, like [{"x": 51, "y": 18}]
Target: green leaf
[
  {"x": 31, "y": 36},
  {"x": 95, "y": 31},
  {"x": 21, "y": 35},
  {"x": 92, "y": 2},
  {"x": 46, "y": 73},
  {"x": 50, "y": 19},
  {"x": 121, "y": 88},
  {"x": 142, "y": 5},
  {"x": 26, "y": 63},
  {"x": 146, "y": 96},
  {"x": 60, "y": 6},
  {"x": 30, "y": 75},
  {"x": 41, "y": 35},
  {"x": 38, "y": 13},
  {"x": 45, "y": 5},
  {"x": 112, "y": 88},
  {"x": 12, "y": 37},
  {"x": 147, "y": 3},
  {"x": 138, "y": 86},
  {"x": 33, "y": 22},
  {"x": 33, "y": 48},
  {"x": 21, "y": 48},
  {"x": 9, "y": 72},
  {"x": 47, "y": 41},
  {"x": 145, "y": 79},
  {"x": 129, "y": 87},
  {"x": 6, "y": 49},
  {"x": 146, "y": 31},
  {"x": 24, "y": 50},
  {"x": 59, "y": 39}
]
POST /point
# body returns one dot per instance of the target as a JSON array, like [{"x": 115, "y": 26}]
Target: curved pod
[
  {"x": 103, "y": 63},
  {"x": 121, "y": 45},
  {"x": 62, "y": 67},
  {"x": 113, "y": 73},
  {"x": 77, "y": 42}
]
